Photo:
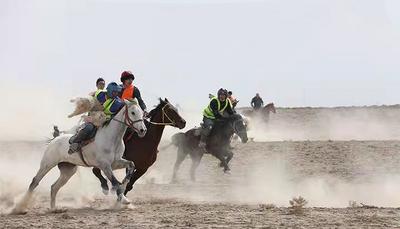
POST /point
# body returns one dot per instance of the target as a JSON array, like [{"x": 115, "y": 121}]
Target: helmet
[
  {"x": 127, "y": 75},
  {"x": 222, "y": 91},
  {"x": 113, "y": 87}
]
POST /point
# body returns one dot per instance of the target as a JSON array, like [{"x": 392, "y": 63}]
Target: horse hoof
[
  {"x": 227, "y": 170},
  {"x": 18, "y": 212},
  {"x": 105, "y": 191},
  {"x": 58, "y": 210},
  {"x": 123, "y": 200}
]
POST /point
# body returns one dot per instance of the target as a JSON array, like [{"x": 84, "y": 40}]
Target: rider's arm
[
  {"x": 116, "y": 106},
  {"x": 138, "y": 96},
  {"x": 230, "y": 110},
  {"x": 214, "y": 108},
  {"x": 252, "y": 103},
  {"x": 262, "y": 102}
]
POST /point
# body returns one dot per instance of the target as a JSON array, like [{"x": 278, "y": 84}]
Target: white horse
[{"x": 105, "y": 152}]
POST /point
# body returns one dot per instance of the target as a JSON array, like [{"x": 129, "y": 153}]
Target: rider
[
  {"x": 100, "y": 84},
  {"x": 129, "y": 91},
  {"x": 111, "y": 105},
  {"x": 214, "y": 111},
  {"x": 257, "y": 102},
  {"x": 233, "y": 100}
]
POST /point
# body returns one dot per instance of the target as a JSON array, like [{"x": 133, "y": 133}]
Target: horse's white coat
[{"x": 105, "y": 152}]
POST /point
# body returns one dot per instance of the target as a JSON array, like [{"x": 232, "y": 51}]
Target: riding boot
[
  {"x": 74, "y": 146},
  {"x": 85, "y": 133}
]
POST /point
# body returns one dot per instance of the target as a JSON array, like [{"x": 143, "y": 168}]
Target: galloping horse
[
  {"x": 263, "y": 112},
  {"x": 217, "y": 144},
  {"x": 105, "y": 152},
  {"x": 143, "y": 151}
]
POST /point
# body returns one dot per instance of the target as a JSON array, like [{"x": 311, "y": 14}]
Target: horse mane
[
  {"x": 158, "y": 107},
  {"x": 127, "y": 102}
]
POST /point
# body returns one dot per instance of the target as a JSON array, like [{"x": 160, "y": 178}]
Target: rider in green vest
[
  {"x": 111, "y": 105},
  {"x": 214, "y": 111}
]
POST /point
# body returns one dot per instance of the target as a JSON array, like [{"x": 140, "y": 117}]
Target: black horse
[{"x": 218, "y": 143}]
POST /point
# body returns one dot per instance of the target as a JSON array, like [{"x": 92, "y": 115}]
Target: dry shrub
[
  {"x": 297, "y": 205},
  {"x": 264, "y": 207},
  {"x": 354, "y": 204}
]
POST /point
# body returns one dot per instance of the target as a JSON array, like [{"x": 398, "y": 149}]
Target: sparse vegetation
[
  {"x": 354, "y": 204},
  {"x": 297, "y": 205},
  {"x": 264, "y": 207}
]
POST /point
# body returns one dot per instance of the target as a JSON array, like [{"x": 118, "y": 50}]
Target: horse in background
[
  {"x": 263, "y": 113},
  {"x": 218, "y": 144}
]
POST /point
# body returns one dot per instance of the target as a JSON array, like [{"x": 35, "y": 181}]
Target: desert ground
[{"x": 345, "y": 162}]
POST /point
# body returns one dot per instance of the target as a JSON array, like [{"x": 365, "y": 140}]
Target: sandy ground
[
  {"x": 343, "y": 161},
  {"x": 264, "y": 177}
]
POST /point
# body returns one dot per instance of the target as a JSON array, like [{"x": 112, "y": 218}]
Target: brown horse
[
  {"x": 263, "y": 113},
  {"x": 143, "y": 151}
]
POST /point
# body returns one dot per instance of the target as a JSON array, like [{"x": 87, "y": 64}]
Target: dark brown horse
[
  {"x": 143, "y": 151},
  {"x": 263, "y": 113},
  {"x": 218, "y": 144}
]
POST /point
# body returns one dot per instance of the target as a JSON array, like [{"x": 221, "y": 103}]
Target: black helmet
[{"x": 222, "y": 91}]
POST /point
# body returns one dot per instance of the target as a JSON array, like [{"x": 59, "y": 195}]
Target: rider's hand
[{"x": 145, "y": 114}]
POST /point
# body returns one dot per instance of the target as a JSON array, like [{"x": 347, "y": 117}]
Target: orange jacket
[{"x": 128, "y": 92}]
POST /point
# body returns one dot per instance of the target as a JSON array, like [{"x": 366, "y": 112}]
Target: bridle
[
  {"x": 164, "y": 116},
  {"x": 128, "y": 121},
  {"x": 234, "y": 126}
]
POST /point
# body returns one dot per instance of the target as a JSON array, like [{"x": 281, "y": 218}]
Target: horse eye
[{"x": 133, "y": 113}]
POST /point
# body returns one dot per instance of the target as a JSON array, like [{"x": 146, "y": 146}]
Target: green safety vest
[
  {"x": 98, "y": 92},
  {"x": 107, "y": 106},
  {"x": 208, "y": 113}
]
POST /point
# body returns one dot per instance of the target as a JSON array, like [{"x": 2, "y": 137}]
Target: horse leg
[
  {"x": 130, "y": 166},
  {"x": 229, "y": 156},
  {"x": 67, "y": 170},
  {"x": 116, "y": 185},
  {"x": 20, "y": 207},
  {"x": 221, "y": 157},
  {"x": 181, "y": 155},
  {"x": 196, "y": 158},
  {"x": 136, "y": 175},
  {"x": 103, "y": 181}
]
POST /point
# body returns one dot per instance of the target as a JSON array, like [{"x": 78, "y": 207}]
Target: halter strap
[
  {"x": 164, "y": 115},
  {"x": 128, "y": 121}
]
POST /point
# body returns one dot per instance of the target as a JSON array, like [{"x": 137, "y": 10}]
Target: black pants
[{"x": 87, "y": 132}]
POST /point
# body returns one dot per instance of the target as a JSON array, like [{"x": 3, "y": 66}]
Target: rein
[
  {"x": 128, "y": 121},
  {"x": 164, "y": 115}
]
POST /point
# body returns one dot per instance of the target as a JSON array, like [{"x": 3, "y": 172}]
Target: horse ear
[
  {"x": 131, "y": 101},
  {"x": 166, "y": 100}
]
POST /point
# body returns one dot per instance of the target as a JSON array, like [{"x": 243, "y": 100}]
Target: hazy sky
[{"x": 294, "y": 52}]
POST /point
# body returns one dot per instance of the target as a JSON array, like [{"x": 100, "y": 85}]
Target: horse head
[
  {"x": 169, "y": 115},
  {"x": 133, "y": 117},
  {"x": 239, "y": 127},
  {"x": 270, "y": 107}
]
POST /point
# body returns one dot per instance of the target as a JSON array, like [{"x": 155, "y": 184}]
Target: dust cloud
[
  {"x": 290, "y": 156},
  {"x": 342, "y": 123}
]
